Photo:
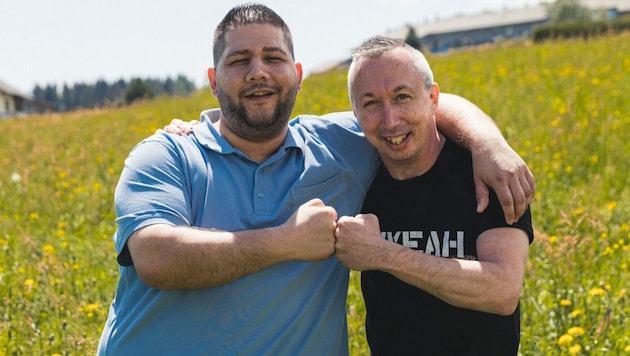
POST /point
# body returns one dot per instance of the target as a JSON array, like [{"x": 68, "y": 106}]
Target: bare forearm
[
  {"x": 168, "y": 257},
  {"x": 491, "y": 284},
  {"x": 462, "y": 283},
  {"x": 465, "y": 123},
  {"x": 495, "y": 164}
]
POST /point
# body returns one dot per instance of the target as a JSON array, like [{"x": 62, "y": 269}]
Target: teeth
[{"x": 396, "y": 140}]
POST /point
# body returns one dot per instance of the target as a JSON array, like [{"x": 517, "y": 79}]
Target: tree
[
  {"x": 50, "y": 93},
  {"x": 568, "y": 11},
  {"x": 137, "y": 89},
  {"x": 66, "y": 98},
  {"x": 412, "y": 39},
  {"x": 100, "y": 92}
]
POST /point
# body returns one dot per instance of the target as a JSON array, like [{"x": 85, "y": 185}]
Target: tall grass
[{"x": 564, "y": 106}]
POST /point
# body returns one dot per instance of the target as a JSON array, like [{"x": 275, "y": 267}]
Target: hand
[
  {"x": 179, "y": 127},
  {"x": 311, "y": 231},
  {"x": 503, "y": 170},
  {"x": 358, "y": 241}
]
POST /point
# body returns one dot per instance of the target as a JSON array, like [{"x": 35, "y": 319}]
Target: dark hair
[{"x": 248, "y": 14}]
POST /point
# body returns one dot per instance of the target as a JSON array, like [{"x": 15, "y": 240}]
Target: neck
[
  {"x": 421, "y": 163},
  {"x": 256, "y": 151}
]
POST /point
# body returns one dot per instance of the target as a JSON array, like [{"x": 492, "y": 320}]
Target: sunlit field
[{"x": 564, "y": 106}]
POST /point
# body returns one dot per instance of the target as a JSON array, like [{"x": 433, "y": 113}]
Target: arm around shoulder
[{"x": 495, "y": 164}]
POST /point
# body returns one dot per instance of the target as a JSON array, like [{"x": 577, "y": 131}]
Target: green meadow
[{"x": 563, "y": 106}]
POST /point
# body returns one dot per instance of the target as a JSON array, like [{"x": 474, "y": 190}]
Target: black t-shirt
[{"x": 434, "y": 213}]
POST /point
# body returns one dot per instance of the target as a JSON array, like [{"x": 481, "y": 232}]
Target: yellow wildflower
[
  {"x": 575, "y": 349},
  {"x": 575, "y": 331},
  {"x": 48, "y": 249},
  {"x": 91, "y": 307},
  {"x": 576, "y": 313},
  {"x": 596, "y": 292},
  {"x": 566, "y": 303},
  {"x": 565, "y": 339}
]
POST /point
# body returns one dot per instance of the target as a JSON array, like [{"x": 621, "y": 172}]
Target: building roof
[
  {"x": 509, "y": 17},
  {"x": 9, "y": 90},
  {"x": 484, "y": 20},
  {"x": 620, "y": 5}
]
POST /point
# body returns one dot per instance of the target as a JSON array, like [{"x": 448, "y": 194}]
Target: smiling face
[
  {"x": 396, "y": 111},
  {"x": 256, "y": 81}
]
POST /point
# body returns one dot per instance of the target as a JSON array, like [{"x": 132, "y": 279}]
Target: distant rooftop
[
  {"x": 9, "y": 90},
  {"x": 498, "y": 18}
]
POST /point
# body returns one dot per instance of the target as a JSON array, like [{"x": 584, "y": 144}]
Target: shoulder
[{"x": 344, "y": 120}]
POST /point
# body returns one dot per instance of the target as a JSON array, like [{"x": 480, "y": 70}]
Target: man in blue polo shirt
[{"x": 225, "y": 237}]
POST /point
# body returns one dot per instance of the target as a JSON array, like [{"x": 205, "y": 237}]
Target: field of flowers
[{"x": 565, "y": 107}]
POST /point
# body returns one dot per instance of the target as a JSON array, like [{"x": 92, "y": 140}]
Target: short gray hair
[{"x": 376, "y": 46}]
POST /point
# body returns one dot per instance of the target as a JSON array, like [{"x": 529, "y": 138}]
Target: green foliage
[
  {"x": 57, "y": 262},
  {"x": 412, "y": 39},
  {"x": 561, "y": 11},
  {"x": 138, "y": 89},
  {"x": 103, "y": 94},
  {"x": 564, "y": 107},
  {"x": 585, "y": 30}
]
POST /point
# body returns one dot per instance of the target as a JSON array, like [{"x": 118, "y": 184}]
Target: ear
[
  {"x": 300, "y": 73},
  {"x": 434, "y": 94},
  {"x": 212, "y": 78}
]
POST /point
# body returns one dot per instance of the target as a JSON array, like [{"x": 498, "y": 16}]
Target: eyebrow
[
  {"x": 265, "y": 50},
  {"x": 396, "y": 90}
]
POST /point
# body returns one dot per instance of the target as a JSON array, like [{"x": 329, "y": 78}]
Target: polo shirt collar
[{"x": 208, "y": 136}]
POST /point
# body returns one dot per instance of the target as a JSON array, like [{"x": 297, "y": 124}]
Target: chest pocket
[{"x": 333, "y": 191}]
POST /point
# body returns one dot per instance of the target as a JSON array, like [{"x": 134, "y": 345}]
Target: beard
[{"x": 257, "y": 126}]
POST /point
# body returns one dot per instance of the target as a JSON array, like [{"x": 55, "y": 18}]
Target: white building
[
  {"x": 14, "y": 103},
  {"x": 488, "y": 27}
]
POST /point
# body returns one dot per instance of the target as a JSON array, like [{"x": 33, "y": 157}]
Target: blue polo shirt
[{"x": 293, "y": 308}]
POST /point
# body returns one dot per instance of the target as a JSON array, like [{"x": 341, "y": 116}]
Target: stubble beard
[{"x": 253, "y": 126}]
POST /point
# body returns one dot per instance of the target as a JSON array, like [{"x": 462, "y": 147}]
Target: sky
[{"x": 44, "y": 42}]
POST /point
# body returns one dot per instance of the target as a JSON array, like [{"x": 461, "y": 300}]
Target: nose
[
  {"x": 257, "y": 71},
  {"x": 390, "y": 118}
]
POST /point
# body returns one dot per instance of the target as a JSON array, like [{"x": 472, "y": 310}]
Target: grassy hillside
[{"x": 565, "y": 107}]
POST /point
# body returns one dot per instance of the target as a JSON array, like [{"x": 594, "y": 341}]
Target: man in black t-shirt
[{"x": 439, "y": 278}]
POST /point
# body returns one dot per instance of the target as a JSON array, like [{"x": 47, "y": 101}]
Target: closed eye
[{"x": 275, "y": 59}]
